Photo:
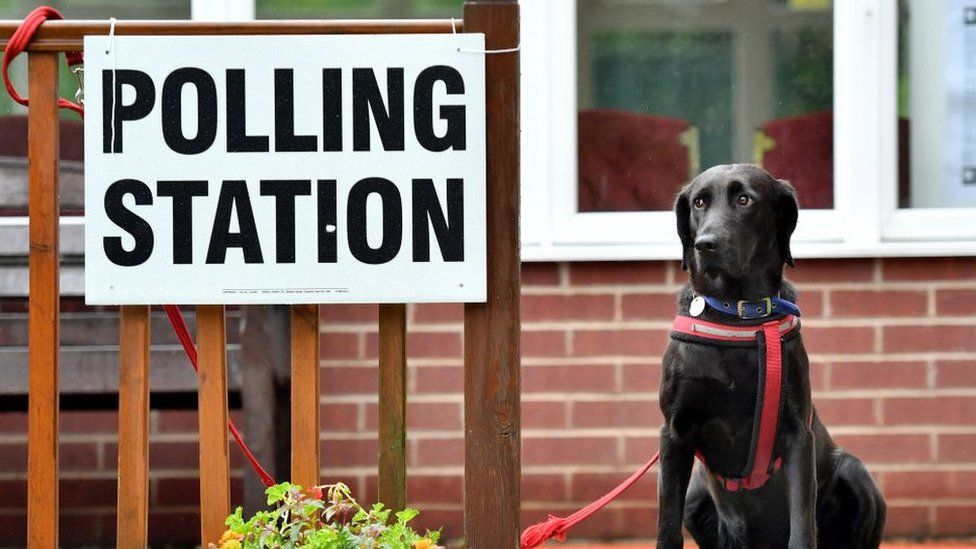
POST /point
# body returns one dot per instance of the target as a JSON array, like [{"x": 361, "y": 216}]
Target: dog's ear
[
  {"x": 787, "y": 209},
  {"x": 682, "y": 210}
]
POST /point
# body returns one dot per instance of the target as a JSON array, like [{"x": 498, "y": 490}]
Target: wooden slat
[
  {"x": 42, "y": 460},
  {"x": 68, "y": 35},
  {"x": 491, "y": 330},
  {"x": 393, "y": 406},
  {"x": 212, "y": 404},
  {"x": 133, "y": 494},
  {"x": 305, "y": 395}
]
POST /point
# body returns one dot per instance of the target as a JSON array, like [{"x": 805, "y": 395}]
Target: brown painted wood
[
  {"x": 42, "y": 419},
  {"x": 212, "y": 405},
  {"x": 491, "y": 330},
  {"x": 305, "y": 395},
  {"x": 393, "y": 406},
  {"x": 67, "y": 35},
  {"x": 133, "y": 494}
]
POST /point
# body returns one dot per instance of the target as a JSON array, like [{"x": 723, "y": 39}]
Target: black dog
[{"x": 735, "y": 224}]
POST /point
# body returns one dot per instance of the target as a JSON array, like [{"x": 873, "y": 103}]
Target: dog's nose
[{"x": 705, "y": 244}]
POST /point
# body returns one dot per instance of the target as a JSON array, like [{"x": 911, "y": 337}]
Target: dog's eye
[
  {"x": 744, "y": 200},
  {"x": 699, "y": 203}
]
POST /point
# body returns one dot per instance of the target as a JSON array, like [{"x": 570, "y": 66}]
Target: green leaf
[{"x": 277, "y": 492}]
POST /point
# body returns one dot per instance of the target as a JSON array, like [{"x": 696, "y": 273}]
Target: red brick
[
  {"x": 436, "y": 452},
  {"x": 640, "y": 522},
  {"x": 929, "y": 268},
  {"x": 14, "y": 422},
  {"x": 78, "y": 529},
  {"x": 99, "y": 421},
  {"x": 424, "y": 344},
  {"x": 914, "y": 339},
  {"x": 838, "y": 340},
  {"x": 957, "y": 448},
  {"x": 907, "y": 521},
  {"x": 592, "y": 486},
  {"x": 439, "y": 380},
  {"x": 440, "y": 416},
  {"x": 590, "y": 414},
  {"x": 946, "y": 410},
  {"x": 543, "y": 487},
  {"x": 620, "y": 342},
  {"x": 180, "y": 421},
  {"x": 13, "y": 528},
  {"x": 540, "y": 274},
  {"x": 617, "y": 272},
  {"x": 956, "y": 520},
  {"x": 649, "y": 306},
  {"x": 349, "y": 380},
  {"x": 435, "y": 489},
  {"x": 831, "y": 270},
  {"x": 340, "y": 346},
  {"x": 438, "y": 313},
  {"x": 637, "y": 450},
  {"x": 819, "y": 374},
  {"x": 349, "y": 452},
  {"x": 177, "y": 491},
  {"x": 174, "y": 527},
  {"x": 569, "y": 378},
  {"x": 78, "y": 456},
  {"x": 641, "y": 378},
  {"x": 887, "y": 448},
  {"x": 543, "y": 343},
  {"x": 340, "y": 417},
  {"x": 811, "y": 303},
  {"x": 544, "y": 307},
  {"x": 13, "y": 456},
  {"x": 846, "y": 411},
  {"x": 165, "y": 455},
  {"x": 955, "y": 373},
  {"x": 878, "y": 375},
  {"x": 87, "y": 492},
  {"x": 13, "y": 493},
  {"x": 955, "y": 302},
  {"x": 878, "y": 303},
  {"x": 352, "y": 313},
  {"x": 544, "y": 414},
  {"x": 569, "y": 451},
  {"x": 929, "y": 484}
]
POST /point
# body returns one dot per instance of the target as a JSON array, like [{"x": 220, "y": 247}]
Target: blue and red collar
[{"x": 745, "y": 310}]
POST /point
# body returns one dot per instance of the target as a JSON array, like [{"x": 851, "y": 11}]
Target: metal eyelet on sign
[{"x": 725, "y": 304}]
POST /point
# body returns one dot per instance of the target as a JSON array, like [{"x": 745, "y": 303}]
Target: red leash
[{"x": 17, "y": 43}]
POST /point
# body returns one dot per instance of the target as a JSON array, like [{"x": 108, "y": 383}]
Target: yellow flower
[
  {"x": 228, "y": 535},
  {"x": 423, "y": 544},
  {"x": 231, "y": 544}
]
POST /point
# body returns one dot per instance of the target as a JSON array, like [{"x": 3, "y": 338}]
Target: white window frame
[{"x": 865, "y": 220}]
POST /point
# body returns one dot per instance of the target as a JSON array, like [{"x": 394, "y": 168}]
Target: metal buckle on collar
[{"x": 758, "y": 311}]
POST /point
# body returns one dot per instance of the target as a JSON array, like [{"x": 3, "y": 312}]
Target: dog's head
[{"x": 734, "y": 220}]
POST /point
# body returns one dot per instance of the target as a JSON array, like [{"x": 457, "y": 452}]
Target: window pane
[
  {"x": 937, "y": 104},
  {"x": 351, "y": 9},
  {"x": 669, "y": 88}
]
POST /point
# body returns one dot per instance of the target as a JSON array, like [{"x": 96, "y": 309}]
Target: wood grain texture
[
  {"x": 42, "y": 454},
  {"x": 393, "y": 406},
  {"x": 491, "y": 329},
  {"x": 212, "y": 405},
  {"x": 68, "y": 35},
  {"x": 133, "y": 494},
  {"x": 305, "y": 395}
]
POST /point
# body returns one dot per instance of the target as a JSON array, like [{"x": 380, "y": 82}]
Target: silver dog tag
[{"x": 697, "y": 306}]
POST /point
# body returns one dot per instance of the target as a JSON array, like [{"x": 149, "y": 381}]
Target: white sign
[{"x": 284, "y": 169}]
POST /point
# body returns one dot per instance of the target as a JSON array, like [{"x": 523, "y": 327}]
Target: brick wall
[{"x": 893, "y": 361}]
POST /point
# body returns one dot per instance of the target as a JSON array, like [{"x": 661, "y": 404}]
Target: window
[{"x": 623, "y": 101}]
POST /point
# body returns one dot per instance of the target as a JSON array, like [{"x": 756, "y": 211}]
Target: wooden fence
[{"x": 491, "y": 329}]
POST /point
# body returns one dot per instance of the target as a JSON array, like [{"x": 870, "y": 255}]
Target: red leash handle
[
  {"x": 18, "y": 42},
  {"x": 556, "y": 527}
]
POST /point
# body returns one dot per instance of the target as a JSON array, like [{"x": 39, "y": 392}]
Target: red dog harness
[{"x": 769, "y": 338}]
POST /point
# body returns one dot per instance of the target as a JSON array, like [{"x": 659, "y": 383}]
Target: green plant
[{"x": 323, "y": 517}]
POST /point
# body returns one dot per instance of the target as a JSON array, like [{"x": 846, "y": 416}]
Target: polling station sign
[{"x": 284, "y": 169}]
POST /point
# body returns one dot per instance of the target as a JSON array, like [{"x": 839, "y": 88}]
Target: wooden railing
[{"x": 491, "y": 329}]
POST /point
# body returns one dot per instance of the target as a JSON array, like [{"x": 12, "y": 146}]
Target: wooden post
[
  {"x": 305, "y": 395},
  {"x": 212, "y": 405},
  {"x": 393, "y": 406},
  {"x": 42, "y": 418},
  {"x": 491, "y": 329},
  {"x": 133, "y": 495}
]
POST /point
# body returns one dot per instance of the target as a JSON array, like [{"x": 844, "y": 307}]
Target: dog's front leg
[
  {"x": 676, "y": 462},
  {"x": 800, "y": 467}
]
